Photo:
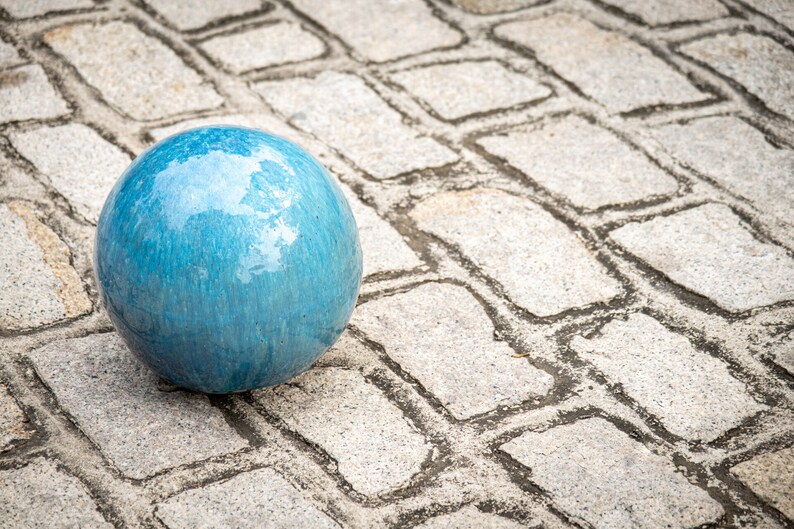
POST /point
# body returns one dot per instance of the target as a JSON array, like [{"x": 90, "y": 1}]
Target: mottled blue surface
[{"x": 228, "y": 259}]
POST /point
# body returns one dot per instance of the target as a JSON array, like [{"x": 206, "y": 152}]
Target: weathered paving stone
[
  {"x": 595, "y": 472},
  {"x": 348, "y": 115},
  {"x": 671, "y": 11},
  {"x": 195, "y": 14},
  {"x": 783, "y": 353},
  {"x": 469, "y": 518},
  {"x": 279, "y": 43},
  {"x": 583, "y": 162},
  {"x": 778, "y": 10},
  {"x": 693, "y": 394},
  {"x": 441, "y": 335},
  {"x": 40, "y": 286},
  {"x": 717, "y": 147},
  {"x": 26, "y": 93},
  {"x": 32, "y": 8},
  {"x": 8, "y": 54},
  {"x": 84, "y": 180},
  {"x": 251, "y": 500},
  {"x": 540, "y": 263},
  {"x": 458, "y": 90},
  {"x": 40, "y": 496},
  {"x": 385, "y": 30},
  {"x": 334, "y": 408},
  {"x": 487, "y": 7},
  {"x": 707, "y": 250},
  {"x": 133, "y": 71},
  {"x": 614, "y": 70},
  {"x": 761, "y": 65},
  {"x": 771, "y": 477},
  {"x": 13, "y": 423},
  {"x": 116, "y": 402}
]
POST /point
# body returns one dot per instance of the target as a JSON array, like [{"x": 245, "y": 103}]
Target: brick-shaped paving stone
[
  {"x": 116, "y": 402},
  {"x": 708, "y": 250},
  {"x": 251, "y": 500},
  {"x": 469, "y": 518},
  {"x": 195, "y": 14},
  {"x": 252, "y": 49},
  {"x": 26, "y": 93},
  {"x": 585, "y": 163},
  {"x": 692, "y": 393},
  {"x": 441, "y": 335},
  {"x": 40, "y": 496},
  {"x": 135, "y": 72},
  {"x": 778, "y": 10},
  {"x": 614, "y": 70},
  {"x": 595, "y": 472},
  {"x": 717, "y": 147},
  {"x": 32, "y": 8},
  {"x": 334, "y": 408},
  {"x": 670, "y": 11},
  {"x": 40, "y": 286},
  {"x": 771, "y": 477},
  {"x": 764, "y": 67},
  {"x": 461, "y": 89},
  {"x": 347, "y": 114},
  {"x": 8, "y": 54},
  {"x": 385, "y": 30},
  {"x": 13, "y": 423},
  {"x": 542, "y": 266},
  {"x": 84, "y": 180}
]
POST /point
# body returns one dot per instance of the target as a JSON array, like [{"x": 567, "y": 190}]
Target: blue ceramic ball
[{"x": 228, "y": 259}]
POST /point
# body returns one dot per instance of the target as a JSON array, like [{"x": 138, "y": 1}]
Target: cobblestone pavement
[{"x": 576, "y": 215}]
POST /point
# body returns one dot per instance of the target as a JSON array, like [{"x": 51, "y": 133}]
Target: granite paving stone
[
  {"x": 707, "y": 249},
  {"x": 187, "y": 15},
  {"x": 343, "y": 111},
  {"x": 778, "y": 10},
  {"x": 616, "y": 71},
  {"x": 585, "y": 468},
  {"x": 32, "y": 8},
  {"x": 764, "y": 67},
  {"x": 84, "y": 180},
  {"x": 440, "y": 334},
  {"x": 458, "y": 90},
  {"x": 8, "y": 54},
  {"x": 487, "y": 7},
  {"x": 662, "y": 12},
  {"x": 693, "y": 394},
  {"x": 783, "y": 353},
  {"x": 470, "y": 518},
  {"x": 250, "y": 500},
  {"x": 135, "y": 72},
  {"x": 541, "y": 264},
  {"x": 26, "y": 93},
  {"x": 585, "y": 163},
  {"x": 115, "y": 401},
  {"x": 14, "y": 427},
  {"x": 771, "y": 477},
  {"x": 334, "y": 408}
]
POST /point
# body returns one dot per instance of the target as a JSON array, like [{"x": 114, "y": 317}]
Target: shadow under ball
[{"x": 228, "y": 259}]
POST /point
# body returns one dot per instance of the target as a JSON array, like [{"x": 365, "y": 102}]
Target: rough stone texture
[
  {"x": 32, "y": 8},
  {"x": 440, "y": 334},
  {"x": 84, "y": 179},
  {"x": 717, "y": 147},
  {"x": 133, "y": 71},
  {"x": 116, "y": 403},
  {"x": 586, "y": 466},
  {"x": 487, "y": 7},
  {"x": 539, "y": 262},
  {"x": 612, "y": 69},
  {"x": 40, "y": 286},
  {"x": 348, "y": 115},
  {"x": 585, "y": 163},
  {"x": 661, "y": 12},
  {"x": 693, "y": 394},
  {"x": 264, "y": 46},
  {"x": 458, "y": 90},
  {"x": 26, "y": 93},
  {"x": 13, "y": 427},
  {"x": 375, "y": 447},
  {"x": 251, "y": 500},
  {"x": 382, "y": 31},
  {"x": 771, "y": 477},
  {"x": 762, "y": 66},
  {"x": 39, "y": 496},
  {"x": 469, "y": 518},
  {"x": 194, "y": 14},
  {"x": 778, "y": 10},
  {"x": 8, "y": 54},
  {"x": 783, "y": 353},
  {"x": 707, "y": 250}
]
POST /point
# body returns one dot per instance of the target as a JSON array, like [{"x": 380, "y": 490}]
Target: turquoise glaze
[{"x": 228, "y": 259}]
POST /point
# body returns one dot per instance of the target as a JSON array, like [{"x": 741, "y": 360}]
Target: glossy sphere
[{"x": 228, "y": 259}]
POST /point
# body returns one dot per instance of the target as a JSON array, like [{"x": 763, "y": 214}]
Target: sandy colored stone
[
  {"x": 661, "y": 12},
  {"x": 771, "y": 477},
  {"x": 26, "y": 93},
  {"x": 188, "y": 15},
  {"x": 14, "y": 427},
  {"x": 470, "y": 518},
  {"x": 32, "y": 8}
]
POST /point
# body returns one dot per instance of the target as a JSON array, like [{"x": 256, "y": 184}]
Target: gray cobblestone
[
  {"x": 26, "y": 93},
  {"x": 771, "y": 477},
  {"x": 115, "y": 401},
  {"x": 470, "y": 518},
  {"x": 32, "y": 8},
  {"x": 195, "y": 14},
  {"x": 440, "y": 334},
  {"x": 540, "y": 263},
  {"x": 707, "y": 250},
  {"x": 612, "y": 69},
  {"x": 8, "y": 55},
  {"x": 671, "y": 11},
  {"x": 13, "y": 422},
  {"x": 783, "y": 353},
  {"x": 581, "y": 161},
  {"x": 585, "y": 467},
  {"x": 778, "y": 10},
  {"x": 487, "y": 7}
]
